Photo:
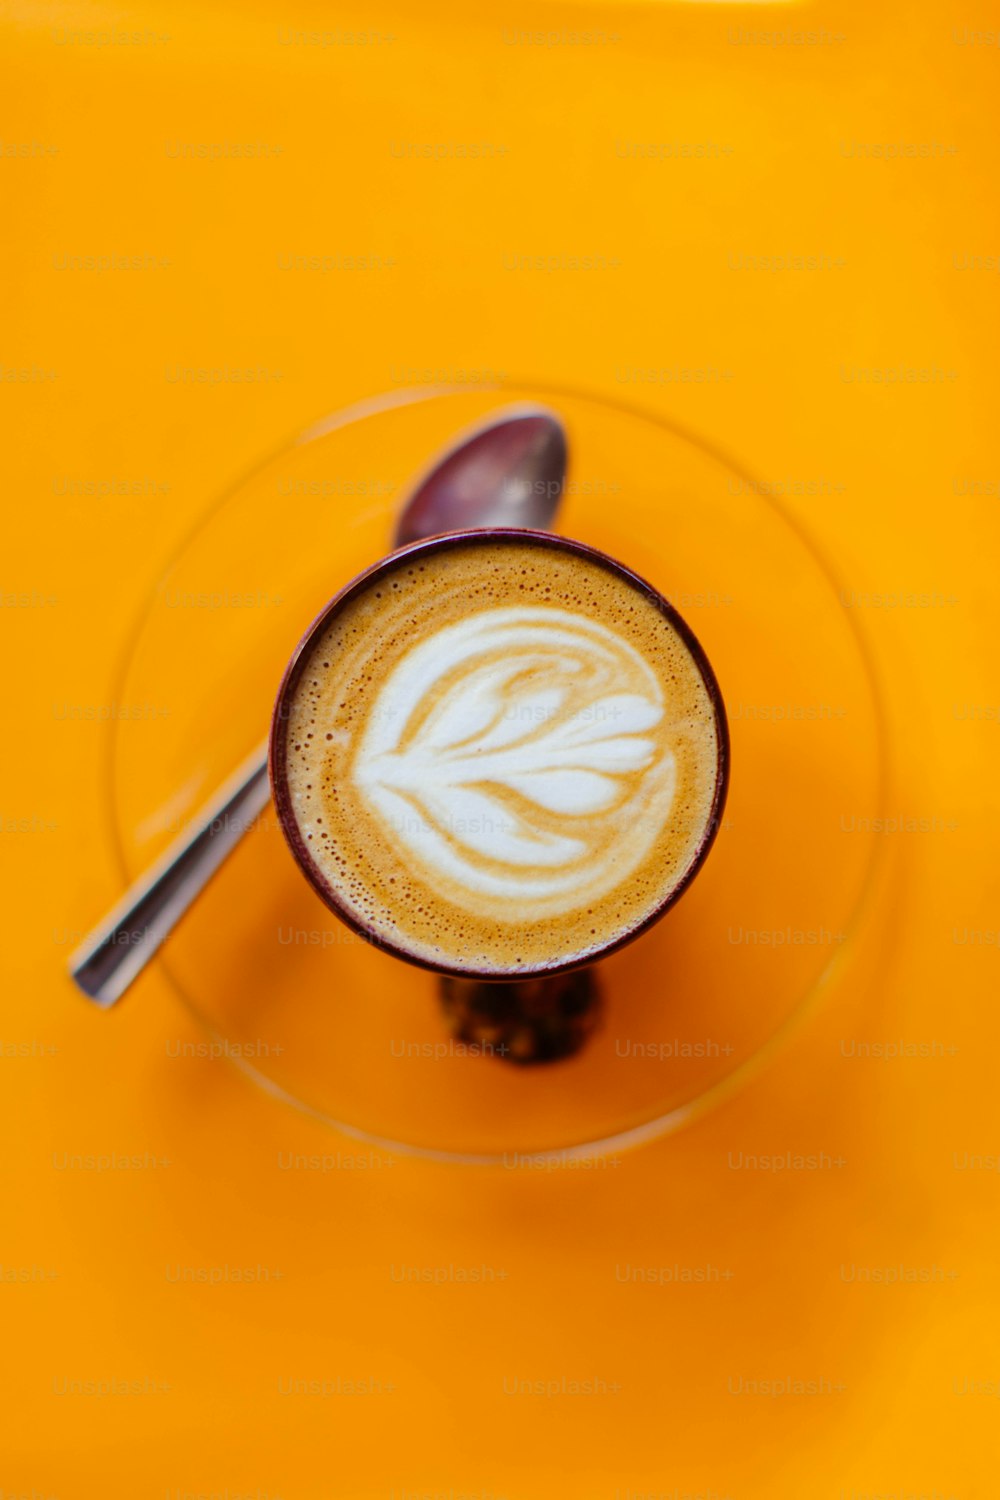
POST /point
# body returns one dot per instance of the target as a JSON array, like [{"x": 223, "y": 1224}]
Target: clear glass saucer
[{"x": 356, "y": 1038}]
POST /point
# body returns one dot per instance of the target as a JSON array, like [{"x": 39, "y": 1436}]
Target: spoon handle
[{"x": 117, "y": 951}]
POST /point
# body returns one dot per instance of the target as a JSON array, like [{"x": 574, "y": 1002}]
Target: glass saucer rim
[{"x": 659, "y": 1126}]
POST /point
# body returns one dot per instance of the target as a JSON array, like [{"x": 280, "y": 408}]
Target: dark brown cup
[{"x": 484, "y": 537}]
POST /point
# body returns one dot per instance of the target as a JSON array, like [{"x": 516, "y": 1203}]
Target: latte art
[
  {"x": 502, "y": 756},
  {"x": 503, "y": 750}
]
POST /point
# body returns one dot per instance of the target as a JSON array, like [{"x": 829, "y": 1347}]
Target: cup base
[{"x": 524, "y": 1022}]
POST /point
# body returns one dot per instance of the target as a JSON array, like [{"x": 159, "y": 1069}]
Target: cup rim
[{"x": 485, "y": 536}]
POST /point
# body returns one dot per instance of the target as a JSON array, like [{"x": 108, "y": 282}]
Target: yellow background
[{"x": 96, "y": 101}]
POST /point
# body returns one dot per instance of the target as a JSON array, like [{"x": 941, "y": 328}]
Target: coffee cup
[{"x": 500, "y": 755}]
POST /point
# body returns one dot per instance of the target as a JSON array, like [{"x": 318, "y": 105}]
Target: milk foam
[
  {"x": 501, "y": 756},
  {"x": 495, "y": 742}
]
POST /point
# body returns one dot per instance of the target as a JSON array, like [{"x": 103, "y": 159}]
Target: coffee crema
[{"x": 501, "y": 755}]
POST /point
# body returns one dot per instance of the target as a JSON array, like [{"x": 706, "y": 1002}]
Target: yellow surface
[{"x": 664, "y": 151}]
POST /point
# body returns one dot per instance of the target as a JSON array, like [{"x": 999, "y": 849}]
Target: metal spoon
[{"x": 508, "y": 472}]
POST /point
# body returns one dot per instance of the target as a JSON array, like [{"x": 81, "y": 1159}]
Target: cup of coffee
[{"x": 499, "y": 754}]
